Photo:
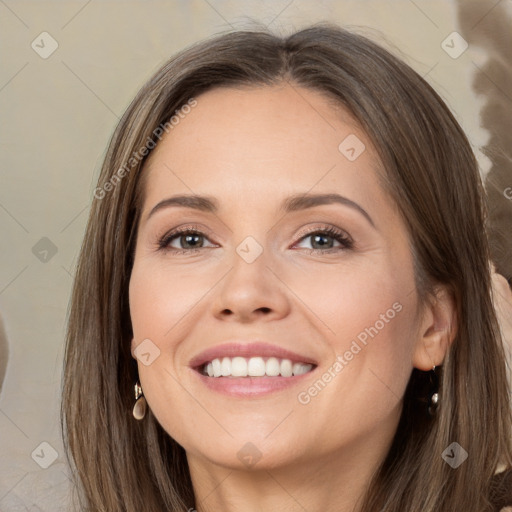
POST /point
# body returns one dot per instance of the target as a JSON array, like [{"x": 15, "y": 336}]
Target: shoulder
[{"x": 501, "y": 491}]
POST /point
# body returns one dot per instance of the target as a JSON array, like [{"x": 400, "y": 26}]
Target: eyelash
[{"x": 339, "y": 236}]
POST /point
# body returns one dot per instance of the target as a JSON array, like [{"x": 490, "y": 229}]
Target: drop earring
[
  {"x": 140, "y": 407},
  {"x": 434, "y": 393}
]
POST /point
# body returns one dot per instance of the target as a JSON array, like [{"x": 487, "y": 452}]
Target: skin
[{"x": 251, "y": 148}]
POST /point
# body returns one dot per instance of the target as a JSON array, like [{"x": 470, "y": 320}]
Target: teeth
[
  {"x": 254, "y": 367},
  {"x": 238, "y": 367},
  {"x": 215, "y": 368},
  {"x": 273, "y": 367},
  {"x": 286, "y": 368},
  {"x": 225, "y": 367}
]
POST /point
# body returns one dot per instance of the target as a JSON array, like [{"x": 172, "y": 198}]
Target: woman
[{"x": 283, "y": 300}]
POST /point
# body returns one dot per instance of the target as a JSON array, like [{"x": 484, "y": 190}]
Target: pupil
[{"x": 188, "y": 238}]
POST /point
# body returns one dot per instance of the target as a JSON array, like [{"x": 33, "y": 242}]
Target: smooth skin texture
[{"x": 251, "y": 148}]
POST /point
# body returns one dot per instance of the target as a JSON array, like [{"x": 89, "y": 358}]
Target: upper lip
[{"x": 248, "y": 349}]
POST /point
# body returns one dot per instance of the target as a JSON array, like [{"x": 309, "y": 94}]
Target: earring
[
  {"x": 434, "y": 396},
  {"x": 139, "y": 409}
]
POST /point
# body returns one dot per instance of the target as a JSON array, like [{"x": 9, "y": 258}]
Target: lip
[
  {"x": 250, "y": 349},
  {"x": 247, "y": 387},
  {"x": 250, "y": 387}
]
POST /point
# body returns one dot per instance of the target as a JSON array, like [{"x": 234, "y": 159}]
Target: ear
[
  {"x": 437, "y": 330},
  {"x": 133, "y": 347}
]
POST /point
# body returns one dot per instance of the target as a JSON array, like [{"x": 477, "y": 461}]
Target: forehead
[{"x": 250, "y": 141}]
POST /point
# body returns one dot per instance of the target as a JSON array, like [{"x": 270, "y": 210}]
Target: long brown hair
[{"x": 432, "y": 175}]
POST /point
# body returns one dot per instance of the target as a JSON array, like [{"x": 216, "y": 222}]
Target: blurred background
[{"x": 70, "y": 68}]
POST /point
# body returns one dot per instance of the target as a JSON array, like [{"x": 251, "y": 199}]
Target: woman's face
[{"x": 260, "y": 268}]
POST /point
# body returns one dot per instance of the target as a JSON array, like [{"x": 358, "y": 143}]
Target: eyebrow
[{"x": 290, "y": 204}]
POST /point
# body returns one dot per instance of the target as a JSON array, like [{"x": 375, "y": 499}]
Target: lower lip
[{"x": 246, "y": 387}]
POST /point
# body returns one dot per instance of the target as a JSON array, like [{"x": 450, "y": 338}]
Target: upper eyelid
[
  {"x": 180, "y": 230},
  {"x": 341, "y": 232},
  {"x": 205, "y": 231},
  {"x": 200, "y": 230}
]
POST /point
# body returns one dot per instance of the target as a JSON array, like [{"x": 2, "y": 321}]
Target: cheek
[
  {"x": 368, "y": 317},
  {"x": 160, "y": 301},
  {"x": 161, "y": 298},
  {"x": 361, "y": 300}
]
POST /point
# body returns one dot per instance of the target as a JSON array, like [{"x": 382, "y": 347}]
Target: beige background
[{"x": 57, "y": 115}]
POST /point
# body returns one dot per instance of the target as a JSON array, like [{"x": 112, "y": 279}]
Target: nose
[{"x": 250, "y": 292}]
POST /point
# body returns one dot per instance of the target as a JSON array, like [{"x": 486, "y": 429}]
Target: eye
[
  {"x": 191, "y": 239},
  {"x": 188, "y": 239},
  {"x": 323, "y": 240}
]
